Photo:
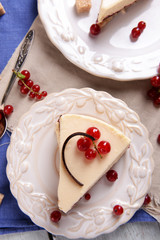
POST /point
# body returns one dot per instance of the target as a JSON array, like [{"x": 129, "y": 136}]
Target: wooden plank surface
[{"x": 130, "y": 231}]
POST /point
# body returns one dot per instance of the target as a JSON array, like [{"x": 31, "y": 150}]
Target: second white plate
[{"x": 111, "y": 54}]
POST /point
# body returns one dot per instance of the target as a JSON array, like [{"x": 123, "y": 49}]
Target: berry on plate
[
  {"x": 147, "y": 200},
  {"x": 55, "y": 216},
  {"x": 118, "y": 210},
  {"x": 95, "y": 29},
  {"x": 112, "y": 175}
]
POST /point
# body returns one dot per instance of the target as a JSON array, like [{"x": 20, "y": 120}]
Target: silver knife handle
[
  {"x": 21, "y": 58},
  {"x": 24, "y": 50}
]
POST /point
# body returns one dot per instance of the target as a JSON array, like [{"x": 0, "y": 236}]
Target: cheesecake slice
[
  {"x": 109, "y": 8},
  {"x": 77, "y": 174}
]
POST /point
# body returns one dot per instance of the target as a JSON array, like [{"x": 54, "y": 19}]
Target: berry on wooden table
[
  {"x": 28, "y": 86},
  {"x": 55, "y": 216},
  {"x": 38, "y": 96},
  {"x": 26, "y": 73},
  {"x": 157, "y": 101},
  {"x": 24, "y": 90},
  {"x": 44, "y": 94},
  {"x": 36, "y": 88},
  {"x": 29, "y": 83},
  {"x": 152, "y": 93},
  {"x": 155, "y": 81},
  {"x": 20, "y": 83},
  {"x": 32, "y": 95},
  {"x": 8, "y": 109}
]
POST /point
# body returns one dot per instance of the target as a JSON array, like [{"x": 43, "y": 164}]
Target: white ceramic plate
[
  {"x": 111, "y": 54},
  {"x": 33, "y": 165}
]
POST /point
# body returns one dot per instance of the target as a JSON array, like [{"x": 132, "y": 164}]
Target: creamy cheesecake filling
[
  {"x": 109, "y": 8},
  {"x": 88, "y": 173}
]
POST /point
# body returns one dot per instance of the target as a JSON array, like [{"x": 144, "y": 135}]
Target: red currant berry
[
  {"x": 55, "y": 216},
  {"x": 24, "y": 89},
  {"x": 157, "y": 101},
  {"x": 20, "y": 83},
  {"x": 87, "y": 196},
  {"x": 155, "y": 81},
  {"x": 38, "y": 96},
  {"x": 26, "y": 73},
  {"x": 90, "y": 154},
  {"x": 29, "y": 83},
  {"x": 36, "y": 88},
  {"x": 135, "y": 33},
  {"x": 44, "y": 94},
  {"x": 141, "y": 25},
  {"x": 95, "y": 29},
  {"x": 147, "y": 200},
  {"x": 83, "y": 144},
  {"x": 32, "y": 95},
  {"x": 112, "y": 175},
  {"x": 104, "y": 147},
  {"x": 152, "y": 93},
  {"x": 158, "y": 139},
  {"x": 118, "y": 210},
  {"x": 94, "y": 132},
  {"x": 8, "y": 109}
]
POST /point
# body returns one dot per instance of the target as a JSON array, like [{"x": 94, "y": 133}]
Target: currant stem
[
  {"x": 96, "y": 149},
  {"x": 18, "y": 74},
  {"x": 31, "y": 90},
  {"x": 21, "y": 77}
]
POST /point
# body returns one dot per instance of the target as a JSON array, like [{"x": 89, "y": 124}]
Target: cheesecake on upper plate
[
  {"x": 77, "y": 174},
  {"x": 109, "y": 8}
]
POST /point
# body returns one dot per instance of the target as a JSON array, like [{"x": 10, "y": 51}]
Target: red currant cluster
[
  {"x": 84, "y": 144},
  {"x": 136, "y": 32},
  {"x": 154, "y": 92},
  {"x": 28, "y": 86}
]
